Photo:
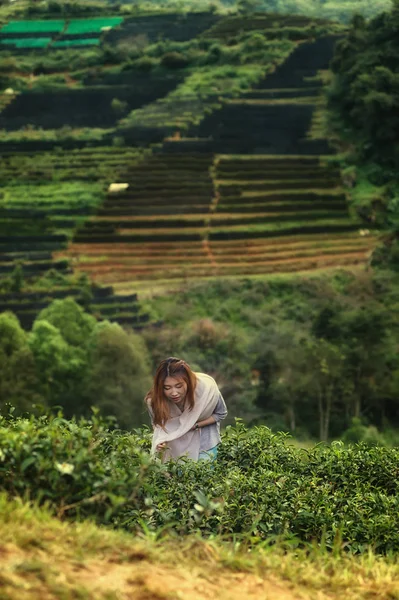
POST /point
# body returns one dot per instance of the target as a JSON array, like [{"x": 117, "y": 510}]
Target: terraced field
[
  {"x": 249, "y": 189},
  {"x": 45, "y": 195},
  {"x": 275, "y": 116},
  {"x": 258, "y": 214},
  {"x": 104, "y": 304},
  {"x": 253, "y": 192},
  {"x": 85, "y": 107},
  {"x": 285, "y": 214},
  {"x": 23, "y": 36},
  {"x": 269, "y": 24},
  {"x": 159, "y": 222},
  {"x": 173, "y": 26}
]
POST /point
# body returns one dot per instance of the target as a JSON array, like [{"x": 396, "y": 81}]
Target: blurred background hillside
[{"x": 213, "y": 180}]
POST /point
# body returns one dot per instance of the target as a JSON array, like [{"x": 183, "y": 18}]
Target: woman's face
[{"x": 175, "y": 389}]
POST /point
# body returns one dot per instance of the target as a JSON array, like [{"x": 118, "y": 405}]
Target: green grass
[
  {"x": 26, "y": 42},
  {"x": 270, "y": 227},
  {"x": 30, "y": 133},
  {"x": 101, "y": 163},
  {"x": 82, "y": 42},
  {"x": 33, "y": 26},
  {"x": 92, "y": 25},
  {"x": 62, "y": 195}
]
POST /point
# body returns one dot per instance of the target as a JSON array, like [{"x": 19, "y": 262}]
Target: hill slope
[{"x": 250, "y": 172}]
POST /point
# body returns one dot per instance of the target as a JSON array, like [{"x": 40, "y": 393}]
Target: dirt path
[{"x": 35, "y": 574}]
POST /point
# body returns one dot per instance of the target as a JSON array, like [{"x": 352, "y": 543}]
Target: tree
[
  {"x": 365, "y": 90},
  {"x": 17, "y": 278},
  {"x": 325, "y": 380},
  {"x": 365, "y": 334},
  {"x": 70, "y": 319},
  {"x": 118, "y": 375},
  {"x": 61, "y": 368},
  {"x": 279, "y": 358},
  {"x": 18, "y": 380}
]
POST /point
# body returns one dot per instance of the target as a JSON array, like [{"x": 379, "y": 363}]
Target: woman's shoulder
[{"x": 205, "y": 379}]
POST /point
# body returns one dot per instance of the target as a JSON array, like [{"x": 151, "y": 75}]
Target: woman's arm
[
  {"x": 218, "y": 415},
  {"x": 209, "y": 421},
  {"x": 150, "y": 413}
]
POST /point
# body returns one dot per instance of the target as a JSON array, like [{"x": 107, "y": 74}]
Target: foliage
[
  {"x": 60, "y": 366},
  {"x": 174, "y": 60},
  {"x": 311, "y": 352},
  {"x": 325, "y": 9},
  {"x": 70, "y": 360},
  {"x": 118, "y": 373},
  {"x": 17, "y": 279},
  {"x": 304, "y": 355},
  {"x": 363, "y": 103},
  {"x": 259, "y": 487},
  {"x": 365, "y": 91},
  {"x": 18, "y": 382},
  {"x": 70, "y": 319}
]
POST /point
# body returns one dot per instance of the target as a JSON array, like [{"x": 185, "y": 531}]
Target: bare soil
[{"x": 28, "y": 575}]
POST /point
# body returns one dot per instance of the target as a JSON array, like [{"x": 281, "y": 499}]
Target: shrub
[
  {"x": 259, "y": 487},
  {"x": 214, "y": 54},
  {"x": 17, "y": 278},
  {"x": 145, "y": 63},
  {"x": 174, "y": 60},
  {"x": 18, "y": 382},
  {"x": 118, "y": 374},
  {"x": 255, "y": 42},
  {"x": 119, "y": 106},
  {"x": 358, "y": 432}
]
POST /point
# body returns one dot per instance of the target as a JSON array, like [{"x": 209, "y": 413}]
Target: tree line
[
  {"x": 364, "y": 120},
  {"x": 341, "y": 11},
  {"x": 72, "y": 361},
  {"x": 308, "y": 356}
]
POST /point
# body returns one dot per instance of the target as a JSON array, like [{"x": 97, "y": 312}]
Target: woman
[{"x": 186, "y": 409}]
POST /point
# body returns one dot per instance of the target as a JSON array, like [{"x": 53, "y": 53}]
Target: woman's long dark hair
[{"x": 170, "y": 367}]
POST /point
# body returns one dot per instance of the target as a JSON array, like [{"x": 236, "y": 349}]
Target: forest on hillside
[
  {"x": 364, "y": 103},
  {"x": 316, "y": 356},
  {"x": 327, "y": 9},
  {"x": 340, "y": 10}
]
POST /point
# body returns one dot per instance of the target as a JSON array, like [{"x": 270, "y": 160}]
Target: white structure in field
[{"x": 118, "y": 187}]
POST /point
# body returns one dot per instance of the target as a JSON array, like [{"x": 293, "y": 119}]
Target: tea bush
[{"x": 259, "y": 487}]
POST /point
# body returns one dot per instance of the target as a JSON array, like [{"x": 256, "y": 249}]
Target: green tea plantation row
[{"x": 259, "y": 487}]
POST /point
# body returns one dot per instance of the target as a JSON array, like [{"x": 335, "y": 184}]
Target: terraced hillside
[
  {"x": 103, "y": 304},
  {"x": 264, "y": 215},
  {"x": 281, "y": 214},
  {"x": 251, "y": 193},
  {"x": 226, "y": 166},
  {"x": 83, "y": 107},
  {"x": 44, "y": 196},
  {"x": 274, "y": 117},
  {"x": 155, "y": 228},
  {"x": 172, "y": 26}
]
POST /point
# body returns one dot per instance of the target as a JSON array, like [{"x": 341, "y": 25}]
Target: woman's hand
[
  {"x": 209, "y": 421},
  {"x": 161, "y": 447}
]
